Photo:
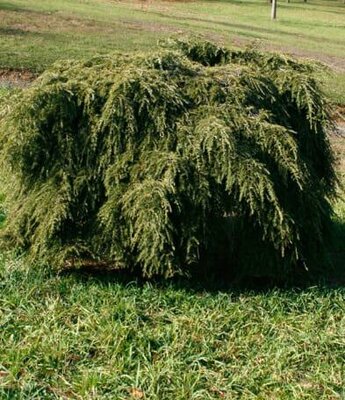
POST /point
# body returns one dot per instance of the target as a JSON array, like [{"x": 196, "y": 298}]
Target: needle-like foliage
[{"x": 160, "y": 162}]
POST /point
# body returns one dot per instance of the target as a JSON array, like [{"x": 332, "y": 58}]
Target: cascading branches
[{"x": 162, "y": 162}]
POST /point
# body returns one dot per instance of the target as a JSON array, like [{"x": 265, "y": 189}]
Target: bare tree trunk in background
[{"x": 274, "y": 9}]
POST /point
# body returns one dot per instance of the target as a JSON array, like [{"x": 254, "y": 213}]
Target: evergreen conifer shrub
[{"x": 161, "y": 162}]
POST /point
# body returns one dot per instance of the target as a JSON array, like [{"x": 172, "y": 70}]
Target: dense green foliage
[{"x": 163, "y": 161}]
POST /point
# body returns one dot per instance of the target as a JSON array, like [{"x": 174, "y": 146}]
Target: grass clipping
[{"x": 193, "y": 155}]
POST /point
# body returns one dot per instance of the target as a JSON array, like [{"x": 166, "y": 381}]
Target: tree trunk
[{"x": 274, "y": 9}]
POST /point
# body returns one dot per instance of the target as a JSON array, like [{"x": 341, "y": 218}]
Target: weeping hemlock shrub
[{"x": 161, "y": 162}]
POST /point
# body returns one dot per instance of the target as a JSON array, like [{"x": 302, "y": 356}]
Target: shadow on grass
[
  {"x": 7, "y": 6},
  {"x": 8, "y": 31},
  {"x": 10, "y": 7},
  {"x": 336, "y": 252},
  {"x": 2, "y": 211},
  {"x": 332, "y": 277},
  {"x": 202, "y": 280}
]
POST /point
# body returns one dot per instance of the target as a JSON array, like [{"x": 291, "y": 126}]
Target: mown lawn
[
  {"x": 92, "y": 337},
  {"x": 35, "y": 33}
]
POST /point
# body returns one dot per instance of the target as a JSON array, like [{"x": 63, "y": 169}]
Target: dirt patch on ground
[
  {"x": 17, "y": 78},
  {"x": 17, "y": 75},
  {"x": 151, "y": 27},
  {"x": 338, "y": 115}
]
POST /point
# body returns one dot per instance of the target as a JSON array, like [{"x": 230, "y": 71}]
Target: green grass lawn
[
  {"x": 87, "y": 337},
  {"x": 35, "y": 33}
]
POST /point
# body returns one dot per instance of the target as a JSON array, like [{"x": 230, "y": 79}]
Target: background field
[
  {"x": 35, "y": 33},
  {"x": 86, "y": 336}
]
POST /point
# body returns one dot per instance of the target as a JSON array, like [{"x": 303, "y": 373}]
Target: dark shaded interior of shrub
[{"x": 191, "y": 157}]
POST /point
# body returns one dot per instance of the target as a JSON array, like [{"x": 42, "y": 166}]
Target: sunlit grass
[
  {"x": 35, "y": 33},
  {"x": 83, "y": 337}
]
